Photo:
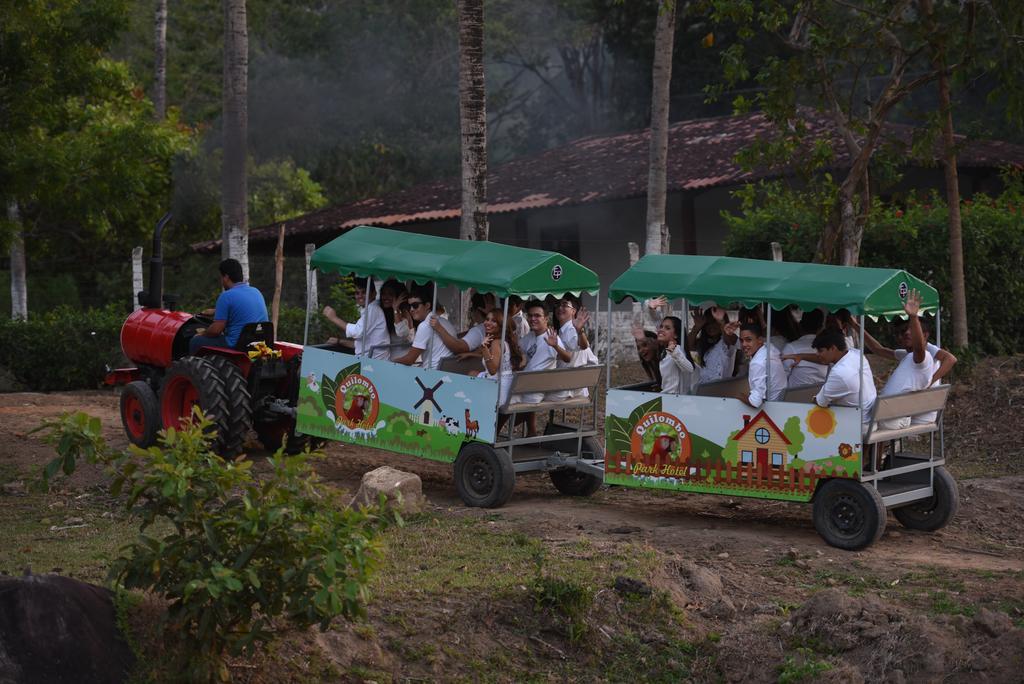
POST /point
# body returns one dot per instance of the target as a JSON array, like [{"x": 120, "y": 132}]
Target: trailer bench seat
[
  {"x": 803, "y": 394},
  {"x": 728, "y": 387},
  {"x": 902, "y": 405},
  {"x": 557, "y": 380}
]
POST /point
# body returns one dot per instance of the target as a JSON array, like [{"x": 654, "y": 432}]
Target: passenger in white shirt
[
  {"x": 470, "y": 342},
  {"x": 370, "y": 332},
  {"x": 517, "y": 316},
  {"x": 427, "y": 342},
  {"x": 714, "y": 340},
  {"x": 766, "y": 377},
  {"x": 849, "y": 377},
  {"x": 542, "y": 349},
  {"x": 805, "y": 372},
  {"x": 678, "y": 375}
]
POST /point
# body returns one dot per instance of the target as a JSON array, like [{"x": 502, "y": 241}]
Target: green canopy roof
[
  {"x": 484, "y": 266},
  {"x": 724, "y": 280}
]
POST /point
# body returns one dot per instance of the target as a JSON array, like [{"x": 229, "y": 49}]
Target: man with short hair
[
  {"x": 237, "y": 306},
  {"x": 849, "y": 377},
  {"x": 427, "y": 342},
  {"x": 480, "y": 304},
  {"x": 517, "y": 317},
  {"x": 804, "y": 373},
  {"x": 370, "y": 332},
  {"x": 763, "y": 358}
]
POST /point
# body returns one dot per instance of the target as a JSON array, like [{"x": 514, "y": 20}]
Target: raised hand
[
  {"x": 731, "y": 327},
  {"x": 638, "y": 331},
  {"x": 551, "y": 338},
  {"x": 329, "y": 312},
  {"x": 581, "y": 318},
  {"x": 671, "y": 346},
  {"x": 657, "y": 303},
  {"x": 913, "y": 303},
  {"x": 718, "y": 313}
]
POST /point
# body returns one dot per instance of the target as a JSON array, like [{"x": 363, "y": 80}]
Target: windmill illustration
[{"x": 428, "y": 395}]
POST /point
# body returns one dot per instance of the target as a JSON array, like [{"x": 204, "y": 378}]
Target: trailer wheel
[
  {"x": 140, "y": 413},
  {"x": 572, "y": 482},
  {"x": 194, "y": 381},
  {"x": 848, "y": 514},
  {"x": 239, "y": 406},
  {"x": 935, "y": 512},
  {"x": 484, "y": 476}
]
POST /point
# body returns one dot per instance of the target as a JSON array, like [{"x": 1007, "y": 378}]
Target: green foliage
[
  {"x": 241, "y": 550},
  {"x": 566, "y": 597},
  {"x": 63, "y": 349},
  {"x": 279, "y": 190},
  {"x": 794, "y": 434},
  {"x": 620, "y": 430},
  {"x": 803, "y": 667},
  {"x": 730, "y": 452},
  {"x": 913, "y": 236}
]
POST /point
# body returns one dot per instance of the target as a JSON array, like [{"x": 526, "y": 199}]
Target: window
[
  {"x": 747, "y": 457},
  {"x": 761, "y": 435},
  {"x": 776, "y": 460}
]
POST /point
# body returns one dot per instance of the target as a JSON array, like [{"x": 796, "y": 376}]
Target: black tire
[
  {"x": 194, "y": 381},
  {"x": 572, "y": 482},
  {"x": 935, "y": 512},
  {"x": 848, "y": 514},
  {"x": 484, "y": 476},
  {"x": 140, "y": 413},
  {"x": 239, "y": 406}
]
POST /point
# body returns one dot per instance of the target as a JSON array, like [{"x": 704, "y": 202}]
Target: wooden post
[
  {"x": 776, "y": 251},
  {"x": 137, "y": 281},
  {"x": 311, "y": 279},
  {"x": 275, "y": 307}
]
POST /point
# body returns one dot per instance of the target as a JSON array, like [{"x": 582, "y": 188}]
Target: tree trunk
[
  {"x": 472, "y": 120},
  {"x": 234, "y": 212},
  {"x": 160, "y": 60},
  {"x": 275, "y": 306},
  {"x": 658, "y": 239},
  {"x": 956, "y": 245},
  {"x": 312, "y": 295},
  {"x": 19, "y": 289},
  {"x": 138, "y": 284}
]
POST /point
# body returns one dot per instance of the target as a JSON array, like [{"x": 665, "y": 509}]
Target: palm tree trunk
[
  {"x": 19, "y": 289},
  {"x": 658, "y": 239},
  {"x": 956, "y": 245},
  {"x": 160, "y": 60},
  {"x": 234, "y": 213},
  {"x": 473, "y": 120}
]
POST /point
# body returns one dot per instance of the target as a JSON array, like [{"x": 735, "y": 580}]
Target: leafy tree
[
  {"x": 80, "y": 155},
  {"x": 730, "y": 452},
  {"x": 794, "y": 434}
]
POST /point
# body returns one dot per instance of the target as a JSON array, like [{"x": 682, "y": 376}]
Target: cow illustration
[{"x": 449, "y": 424}]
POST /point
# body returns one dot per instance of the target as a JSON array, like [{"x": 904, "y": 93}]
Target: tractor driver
[{"x": 237, "y": 306}]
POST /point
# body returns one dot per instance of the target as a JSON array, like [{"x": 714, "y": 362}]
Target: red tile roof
[
  {"x": 771, "y": 423},
  {"x": 599, "y": 168}
]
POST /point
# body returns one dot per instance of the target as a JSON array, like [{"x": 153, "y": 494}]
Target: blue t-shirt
[{"x": 240, "y": 305}]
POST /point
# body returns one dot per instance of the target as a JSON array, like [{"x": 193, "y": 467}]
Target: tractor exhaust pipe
[{"x": 153, "y": 297}]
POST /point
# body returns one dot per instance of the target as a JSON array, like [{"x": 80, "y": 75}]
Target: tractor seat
[{"x": 255, "y": 332}]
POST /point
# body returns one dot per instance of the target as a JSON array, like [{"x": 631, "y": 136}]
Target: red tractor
[{"x": 252, "y": 386}]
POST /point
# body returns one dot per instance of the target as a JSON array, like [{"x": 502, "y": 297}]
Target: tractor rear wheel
[
  {"x": 193, "y": 381},
  {"x": 935, "y": 512},
  {"x": 239, "y": 406},
  {"x": 140, "y": 413}
]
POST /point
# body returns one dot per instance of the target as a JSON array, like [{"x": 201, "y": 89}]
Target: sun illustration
[{"x": 821, "y": 421}]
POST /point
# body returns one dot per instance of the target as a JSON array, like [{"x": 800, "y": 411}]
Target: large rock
[
  {"x": 704, "y": 582},
  {"x": 403, "y": 491},
  {"x": 57, "y": 629}
]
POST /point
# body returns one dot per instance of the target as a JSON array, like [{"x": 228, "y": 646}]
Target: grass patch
[
  {"x": 80, "y": 535},
  {"x": 944, "y": 603},
  {"x": 804, "y": 666}
]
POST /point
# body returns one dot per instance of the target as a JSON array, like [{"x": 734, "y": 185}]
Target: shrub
[
  {"x": 65, "y": 348},
  {"x": 913, "y": 237},
  {"x": 240, "y": 551}
]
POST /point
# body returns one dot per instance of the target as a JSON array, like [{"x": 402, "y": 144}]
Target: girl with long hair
[{"x": 500, "y": 357}]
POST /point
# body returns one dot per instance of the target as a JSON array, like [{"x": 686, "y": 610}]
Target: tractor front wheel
[
  {"x": 193, "y": 381},
  {"x": 140, "y": 413}
]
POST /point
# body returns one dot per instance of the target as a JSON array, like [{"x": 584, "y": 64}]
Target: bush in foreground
[{"x": 240, "y": 551}]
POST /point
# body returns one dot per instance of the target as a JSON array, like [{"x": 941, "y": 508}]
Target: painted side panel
[
  {"x": 381, "y": 404},
  {"x": 723, "y": 446}
]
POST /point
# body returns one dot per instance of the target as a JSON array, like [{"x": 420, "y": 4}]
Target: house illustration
[{"x": 761, "y": 444}]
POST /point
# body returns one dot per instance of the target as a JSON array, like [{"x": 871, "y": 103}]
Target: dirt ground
[{"x": 765, "y": 597}]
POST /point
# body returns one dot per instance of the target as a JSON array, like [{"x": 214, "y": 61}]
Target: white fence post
[
  {"x": 137, "y": 285},
  {"x": 314, "y": 304}
]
